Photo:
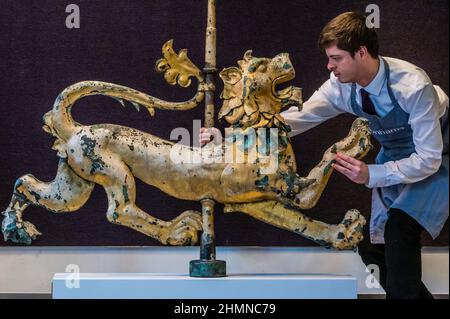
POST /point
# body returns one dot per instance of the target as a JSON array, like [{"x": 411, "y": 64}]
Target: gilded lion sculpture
[{"x": 113, "y": 156}]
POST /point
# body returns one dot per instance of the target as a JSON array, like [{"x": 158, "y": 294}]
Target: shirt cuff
[{"x": 377, "y": 176}]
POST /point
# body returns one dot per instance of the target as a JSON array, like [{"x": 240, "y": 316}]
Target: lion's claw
[
  {"x": 350, "y": 230},
  {"x": 18, "y": 232},
  {"x": 183, "y": 230}
]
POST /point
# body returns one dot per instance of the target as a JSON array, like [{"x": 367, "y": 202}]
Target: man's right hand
[{"x": 207, "y": 135}]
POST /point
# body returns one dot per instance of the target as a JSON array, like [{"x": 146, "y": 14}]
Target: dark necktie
[{"x": 367, "y": 104}]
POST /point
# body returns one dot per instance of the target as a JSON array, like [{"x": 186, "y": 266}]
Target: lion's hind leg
[
  {"x": 120, "y": 188},
  {"x": 66, "y": 193},
  {"x": 345, "y": 235}
]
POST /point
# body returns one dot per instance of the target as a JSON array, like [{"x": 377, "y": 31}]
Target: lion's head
[{"x": 250, "y": 97}]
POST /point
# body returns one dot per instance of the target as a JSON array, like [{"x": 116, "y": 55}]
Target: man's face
[{"x": 342, "y": 64}]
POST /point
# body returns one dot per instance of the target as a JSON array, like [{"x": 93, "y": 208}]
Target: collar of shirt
[{"x": 377, "y": 83}]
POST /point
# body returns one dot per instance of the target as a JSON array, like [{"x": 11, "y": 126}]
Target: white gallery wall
[{"x": 30, "y": 269}]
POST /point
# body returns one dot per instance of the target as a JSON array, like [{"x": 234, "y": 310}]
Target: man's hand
[
  {"x": 206, "y": 135},
  {"x": 355, "y": 170}
]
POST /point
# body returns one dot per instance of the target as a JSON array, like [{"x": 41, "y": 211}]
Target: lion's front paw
[
  {"x": 183, "y": 230},
  {"x": 18, "y": 232},
  {"x": 360, "y": 126},
  {"x": 357, "y": 143},
  {"x": 350, "y": 230}
]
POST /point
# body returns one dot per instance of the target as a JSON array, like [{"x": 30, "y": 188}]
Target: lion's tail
[{"x": 62, "y": 124}]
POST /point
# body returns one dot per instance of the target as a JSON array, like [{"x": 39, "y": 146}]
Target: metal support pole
[
  {"x": 210, "y": 63},
  {"x": 208, "y": 266},
  {"x": 208, "y": 245}
]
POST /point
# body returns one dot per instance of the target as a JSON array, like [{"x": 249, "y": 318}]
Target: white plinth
[{"x": 173, "y": 286}]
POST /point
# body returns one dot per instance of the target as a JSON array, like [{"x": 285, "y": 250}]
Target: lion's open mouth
[{"x": 277, "y": 86}]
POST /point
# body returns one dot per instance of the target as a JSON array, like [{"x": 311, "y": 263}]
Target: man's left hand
[{"x": 355, "y": 170}]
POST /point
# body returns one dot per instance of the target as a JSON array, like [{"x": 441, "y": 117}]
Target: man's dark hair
[{"x": 349, "y": 32}]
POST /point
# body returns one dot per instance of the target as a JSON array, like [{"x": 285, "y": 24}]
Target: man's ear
[
  {"x": 362, "y": 52},
  {"x": 231, "y": 75}
]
